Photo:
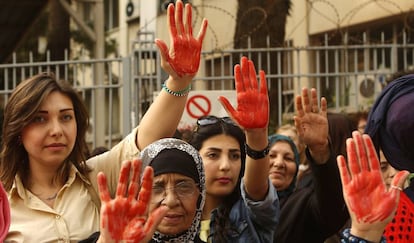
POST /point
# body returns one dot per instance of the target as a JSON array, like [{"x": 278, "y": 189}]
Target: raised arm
[
  {"x": 181, "y": 61},
  {"x": 252, "y": 115},
  {"x": 370, "y": 204},
  {"x": 124, "y": 218}
]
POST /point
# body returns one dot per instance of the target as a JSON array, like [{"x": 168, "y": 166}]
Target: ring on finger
[{"x": 396, "y": 187}]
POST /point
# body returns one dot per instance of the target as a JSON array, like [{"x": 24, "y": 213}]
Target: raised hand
[
  {"x": 183, "y": 57},
  {"x": 312, "y": 123},
  {"x": 370, "y": 204},
  {"x": 252, "y": 102},
  {"x": 123, "y": 219}
]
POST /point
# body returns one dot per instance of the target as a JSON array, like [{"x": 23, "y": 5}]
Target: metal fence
[{"x": 349, "y": 76}]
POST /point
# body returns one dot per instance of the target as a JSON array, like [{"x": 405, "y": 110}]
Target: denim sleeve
[{"x": 265, "y": 213}]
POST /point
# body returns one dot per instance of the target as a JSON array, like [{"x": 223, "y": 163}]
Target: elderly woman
[{"x": 172, "y": 191}]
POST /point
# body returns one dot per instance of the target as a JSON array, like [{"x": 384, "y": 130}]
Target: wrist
[
  {"x": 356, "y": 236},
  {"x": 176, "y": 91}
]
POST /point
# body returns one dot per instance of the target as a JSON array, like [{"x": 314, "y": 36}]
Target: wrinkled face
[
  {"x": 282, "y": 165},
  {"x": 222, "y": 163},
  {"x": 51, "y": 135},
  {"x": 388, "y": 172},
  {"x": 179, "y": 193}
]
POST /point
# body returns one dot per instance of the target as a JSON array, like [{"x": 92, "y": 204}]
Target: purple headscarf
[{"x": 391, "y": 123}]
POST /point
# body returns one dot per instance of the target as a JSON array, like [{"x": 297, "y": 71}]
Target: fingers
[
  {"x": 397, "y": 184},
  {"x": 299, "y": 106},
  {"x": 123, "y": 178},
  {"x": 306, "y": 101},
  {"x": 171, "y": 20},
  {"x": 146, "y": 190},
  {"x": 343, "y": 170},
  {"x": 163, "y": 49},
  {"x": 314, "y": 101},
  {"x": 103, "y": 188},
  {"x": 263, "y": 83},
  {"x": 361, "y": 152},
  {"x": 135, "y": 180},
  {"x": 154, "y": 220},
  {"x": 238, "y": 79},
  {"x": 179, "y": 17},
  {"x": 252, "y": 76},
  {"x": 189, "y": 21},
  {"x": 202, "y": 32},
  {"x": 324, "y": 106},
  {"x": 373, "y": 161},
  {"x": 352, "y": 157},
  {"x": 228, "y": 107},
  {"x": 244, "y": 63}
]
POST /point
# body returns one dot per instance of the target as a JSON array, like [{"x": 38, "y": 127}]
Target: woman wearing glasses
[{"x": 241, "y": 203}]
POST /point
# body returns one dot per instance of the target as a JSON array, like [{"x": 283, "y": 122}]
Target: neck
[{"x": 211, "y": 203}]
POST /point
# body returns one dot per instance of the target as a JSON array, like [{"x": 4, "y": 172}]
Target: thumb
[
  {"x": 397, "y": 183},
  {"x": 228, "y": 107},
  {"x": 163, "y": 49},
  {"x": 153, "y": 221}
]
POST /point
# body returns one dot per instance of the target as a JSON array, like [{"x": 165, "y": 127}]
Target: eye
[
  {"x": 67, "y": 117},
  {"x": 157, "y": 189},
  {"x": 234, "y": 156},
  {"x": 272, "y": 155},
  {"x": 38, "y": 119},
  {"x": 212, "y": 155},
  {"x": 289, "y": 159}
]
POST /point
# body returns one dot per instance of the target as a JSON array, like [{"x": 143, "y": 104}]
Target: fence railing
[{"x": 349, "y": 76}]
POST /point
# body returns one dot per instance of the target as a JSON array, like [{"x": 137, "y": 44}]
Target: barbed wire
[{"x": 318, "y": 7}]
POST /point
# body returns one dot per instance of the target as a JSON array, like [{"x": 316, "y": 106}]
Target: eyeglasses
[
  {"x": 210, "y": 120},
  {"x": 182, "y": 190}
]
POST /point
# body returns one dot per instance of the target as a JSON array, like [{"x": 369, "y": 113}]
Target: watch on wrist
[{"x": 254, "y": 154}]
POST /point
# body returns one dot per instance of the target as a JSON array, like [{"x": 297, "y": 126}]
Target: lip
[
  {"x": 276, "y": 174},
  {"x": 55, "y": 146},
  {"x": 172, "y": 219},
  {"x": 224, "y": 180}
]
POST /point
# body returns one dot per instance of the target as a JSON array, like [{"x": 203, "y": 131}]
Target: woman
[
  {"x": 174, "y": 197},
  {"x": 312, "y": 213},
  {"x": 241, "y": 205},
  {"x": 391, "y": 127},
  {"x": 50, "y": 185}
]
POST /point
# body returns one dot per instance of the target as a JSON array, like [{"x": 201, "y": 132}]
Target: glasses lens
[
  {"x": 210, "y": 120},
  {"x": 182, "y": 190}
]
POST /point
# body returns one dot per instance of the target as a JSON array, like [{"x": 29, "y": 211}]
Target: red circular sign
[{"x": 198, "y": 106}]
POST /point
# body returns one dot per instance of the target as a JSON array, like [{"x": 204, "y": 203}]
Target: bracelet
[
  {"x": 256, "y": 154},
  {"x": 346, "y": 237},
  {"x": 180, "y": 93}
]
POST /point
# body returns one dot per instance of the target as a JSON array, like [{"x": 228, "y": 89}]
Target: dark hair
[
  {"x": 201, "y": 134},
  {"x": 340, "y": 128},
  {"x": 20, "y": 110}
]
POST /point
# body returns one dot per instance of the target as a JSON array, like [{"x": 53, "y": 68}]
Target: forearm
[
  {"x": 257, "y": 170},
  {"x": 163, "y": 116}
]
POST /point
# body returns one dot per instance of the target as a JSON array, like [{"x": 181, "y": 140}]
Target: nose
[
  {"x": 224, "y": 164},
  {"x": 171, "y": 199},
  {"x": 55, "y": 128},
  {"x": 278, "y": 162}
]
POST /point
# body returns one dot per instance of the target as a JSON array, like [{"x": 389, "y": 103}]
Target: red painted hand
[
  {"x": 252, "y": 102},
  {"x": 123, "y": 219},
  {"x": 183, "y": 59},
  {"x": 370, "y": 204}
]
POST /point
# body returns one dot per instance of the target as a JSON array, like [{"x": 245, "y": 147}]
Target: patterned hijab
[{"x": 180, "y": 155}]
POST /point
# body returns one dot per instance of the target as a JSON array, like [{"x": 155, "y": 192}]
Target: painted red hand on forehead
[
  {"x": 124, "y": 217},
  {"x": 184, "y": 54},
  {"x": 366, "y": 195},
  {"x": 252, "y": 101}
]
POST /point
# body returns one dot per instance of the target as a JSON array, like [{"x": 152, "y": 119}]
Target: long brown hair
[{"x": 20, "y": 110}]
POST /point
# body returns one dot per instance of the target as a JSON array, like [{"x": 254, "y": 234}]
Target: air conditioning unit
[{"x": 365, "y": 88}]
